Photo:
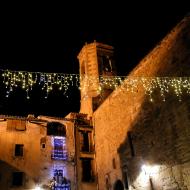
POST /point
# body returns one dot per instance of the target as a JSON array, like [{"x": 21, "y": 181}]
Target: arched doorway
[{"x": 118, "y": 185}]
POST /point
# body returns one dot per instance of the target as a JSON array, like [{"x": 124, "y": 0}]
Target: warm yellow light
[
  {"x": 61, "y": 81},
  {"x": 38, "y": 188},
  {"x": 150, "y": 170},
  {"x": 146, "y": 173}
]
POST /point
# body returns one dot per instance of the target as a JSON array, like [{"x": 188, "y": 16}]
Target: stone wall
[{"x": 147, "y": 143}]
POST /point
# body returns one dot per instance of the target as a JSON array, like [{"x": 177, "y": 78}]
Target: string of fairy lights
[
  {"x": 164, "y": 85},
  {"x": 61, "y": 81},
  {"x": 47, "y": 81}
]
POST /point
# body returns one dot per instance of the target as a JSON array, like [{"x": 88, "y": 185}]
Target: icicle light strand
[{"x": 48, "y": 81}]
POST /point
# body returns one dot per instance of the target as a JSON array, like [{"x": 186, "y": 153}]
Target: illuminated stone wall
[
  {"x": 142, "y": 142},
  {"x": 36, "y": 162}
]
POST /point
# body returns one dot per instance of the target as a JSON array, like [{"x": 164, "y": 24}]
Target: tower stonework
[{"x": 95, "y": 60}]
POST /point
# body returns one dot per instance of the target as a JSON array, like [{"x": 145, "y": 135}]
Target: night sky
[{"x": 49, "y": 39}]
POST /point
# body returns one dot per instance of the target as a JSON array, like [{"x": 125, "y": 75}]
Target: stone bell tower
[{"x": 96, "y": 62}]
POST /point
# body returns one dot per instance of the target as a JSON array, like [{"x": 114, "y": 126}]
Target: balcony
[{"x": 59, "y": 155}]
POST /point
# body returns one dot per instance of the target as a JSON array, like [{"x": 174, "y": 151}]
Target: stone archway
[{"x": 118, "y": 185}]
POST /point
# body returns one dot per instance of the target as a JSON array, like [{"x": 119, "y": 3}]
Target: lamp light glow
[{"x": 38, "y": 188}]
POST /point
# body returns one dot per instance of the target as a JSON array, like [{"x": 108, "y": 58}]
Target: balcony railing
[{"x": 59, "y": 155}]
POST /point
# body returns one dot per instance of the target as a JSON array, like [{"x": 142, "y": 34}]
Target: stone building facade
[
  {"x": 142, "y": 144},
  {"x": 46, "y": 153},
  {"x": 36, "y": 155}
]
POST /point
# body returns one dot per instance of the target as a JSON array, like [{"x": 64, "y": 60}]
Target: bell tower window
[{"x": 107, "y": 64}]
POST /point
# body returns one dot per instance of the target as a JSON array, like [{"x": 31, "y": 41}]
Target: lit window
[
  {"x": 59, "y": 149},
  {"x": 59, "y": 181}
]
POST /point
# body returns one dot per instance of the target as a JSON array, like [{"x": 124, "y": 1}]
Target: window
[
  {"x": 59, "y": 152},
  {"x": 107, "y": 66},
  {"x": 43, "y": 142},
  {"x": 56, "y": 129},
  {"x": 19, "y": 149},
  {"x": 58, "y": 176},
  {"x": 87, "y": 174},
  {"x": 59, "y": 181},
  {"x": 17, "y": 179},
  {"x": 86, "y": 141},
  {"x": 43, "y": 145}
]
